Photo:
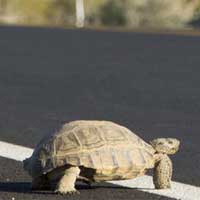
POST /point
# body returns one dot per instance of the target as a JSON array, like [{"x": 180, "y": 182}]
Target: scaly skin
[
  {"x": 162, "y": 172},
  {"x": 66, "y": 185}
]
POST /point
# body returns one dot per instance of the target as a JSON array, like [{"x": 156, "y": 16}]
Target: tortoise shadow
[
  {"x": 19, "y": 187},
  {"x": 25, "y": 187}
]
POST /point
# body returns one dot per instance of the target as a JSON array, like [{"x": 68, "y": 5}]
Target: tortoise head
[{"x": 165, "y": 145}]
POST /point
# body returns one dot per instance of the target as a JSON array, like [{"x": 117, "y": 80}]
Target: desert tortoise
[{"x": 94, "y": 151}]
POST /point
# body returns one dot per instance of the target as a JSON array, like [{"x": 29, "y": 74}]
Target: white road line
[
  {"x": 178, "y": 191},
  {"x": 14, "y": 152}
]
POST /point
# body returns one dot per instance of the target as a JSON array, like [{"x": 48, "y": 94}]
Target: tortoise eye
[{"x": 160, "y": 143}]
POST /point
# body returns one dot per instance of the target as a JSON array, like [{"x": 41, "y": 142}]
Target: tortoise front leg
[
  {"x": 66, "y": 184},
  {"x": 163, "y": 173}
]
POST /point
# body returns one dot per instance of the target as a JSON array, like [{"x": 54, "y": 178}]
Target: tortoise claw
[{"x": 68, "y": 192}]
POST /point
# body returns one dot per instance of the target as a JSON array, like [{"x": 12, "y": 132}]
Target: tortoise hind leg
[
  {"x": 40, "y": 183},
  {"x": 163, "y": 173},
  {"x": 66, "y": 184}
]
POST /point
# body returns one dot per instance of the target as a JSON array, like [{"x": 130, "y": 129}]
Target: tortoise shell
[{"x": 101, "y": 145}]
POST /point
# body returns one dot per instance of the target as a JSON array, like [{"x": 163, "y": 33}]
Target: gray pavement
[{"x": 147, "y": 82}]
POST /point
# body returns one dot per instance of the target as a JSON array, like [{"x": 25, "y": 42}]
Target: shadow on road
[
  {"x": 25, "y": 187},
  {"x": 19, "y": 187}
]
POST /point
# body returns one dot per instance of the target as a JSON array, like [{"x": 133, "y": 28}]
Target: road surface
[{"x": 144, "y": 81}]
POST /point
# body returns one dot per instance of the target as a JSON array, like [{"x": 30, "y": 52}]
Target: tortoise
[{"x": 94, "y": 151}]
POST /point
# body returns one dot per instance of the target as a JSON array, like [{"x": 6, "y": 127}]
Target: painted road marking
[
  {"x": 179, "y": 190},
  {"x": 14, "y": 152}
]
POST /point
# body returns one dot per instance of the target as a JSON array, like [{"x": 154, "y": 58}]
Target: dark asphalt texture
[{"x": 147, "y": 82}]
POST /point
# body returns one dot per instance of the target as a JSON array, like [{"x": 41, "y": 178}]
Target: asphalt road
[{"x": 146, "y": 82}]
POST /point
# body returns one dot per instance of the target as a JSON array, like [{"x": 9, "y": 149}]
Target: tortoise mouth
[
  {"x": 169, "y": 151},
  {"x": 173, "y": 150}
]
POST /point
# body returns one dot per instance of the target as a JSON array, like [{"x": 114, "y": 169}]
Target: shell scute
[
  {"x": 66, "y": 143},
  {"x": 87, "y": 137}
]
